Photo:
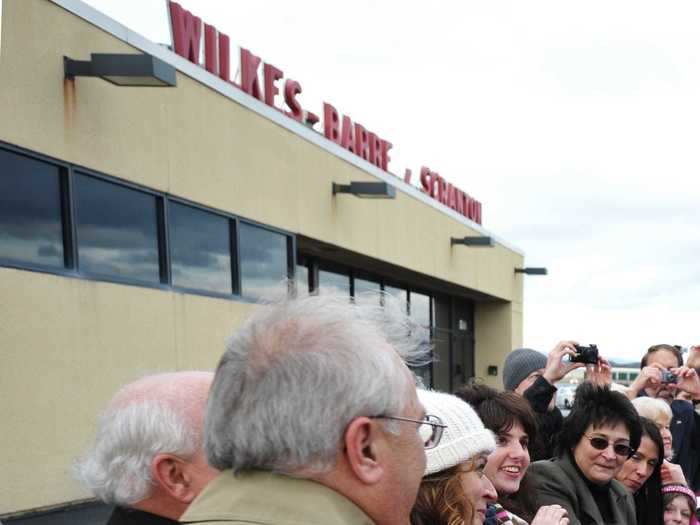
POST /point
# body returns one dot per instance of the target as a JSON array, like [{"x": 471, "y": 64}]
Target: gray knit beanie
[{"x": 519, "y": 364}]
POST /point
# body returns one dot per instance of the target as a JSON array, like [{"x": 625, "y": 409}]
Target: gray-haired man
[
  {"x": 148, "y": 456},
  {"x": 314, "y": 410}
]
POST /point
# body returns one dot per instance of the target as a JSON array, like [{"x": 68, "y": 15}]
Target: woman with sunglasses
[
  {"x": 455, "y": 490},
  {"x": 597, "y": 437},
  {"x": 511, "y": 419},
  {"x": 641, "y": 475}
]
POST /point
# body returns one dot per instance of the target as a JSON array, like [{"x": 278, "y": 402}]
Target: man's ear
[
  {"x": 172, "y": 475},
  {"x": 364, "y": 443}
]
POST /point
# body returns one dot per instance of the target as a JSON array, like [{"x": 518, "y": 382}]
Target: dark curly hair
[{"x": 597, "y": 406}]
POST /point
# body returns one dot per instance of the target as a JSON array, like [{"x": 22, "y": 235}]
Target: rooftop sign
[{"x": 268, "y": 84}]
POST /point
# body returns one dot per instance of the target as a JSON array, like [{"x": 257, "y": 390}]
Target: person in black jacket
[{"x": 533, "y": 375}]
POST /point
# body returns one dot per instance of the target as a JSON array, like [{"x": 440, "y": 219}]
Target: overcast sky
[{"x": 576, "y": 124}]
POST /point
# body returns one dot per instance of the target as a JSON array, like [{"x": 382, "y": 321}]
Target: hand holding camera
[
  {"x": 585, "y": 354},
  {"x": 687, "y": 380},
  {"x": 556, "y": 367}
]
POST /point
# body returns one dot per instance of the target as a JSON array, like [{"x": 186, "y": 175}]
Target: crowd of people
[{"x": 313, "y": 416}]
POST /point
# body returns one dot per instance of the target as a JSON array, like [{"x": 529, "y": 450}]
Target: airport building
[{"x": 149, "y": 196}]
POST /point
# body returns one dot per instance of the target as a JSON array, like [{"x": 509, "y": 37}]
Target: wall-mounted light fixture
[
  {"x": 532, "y": 271},
  {"x": 122, "y": 69},
  {"x": 367, "y": 190},
  {"x": 473, "y": 241}
]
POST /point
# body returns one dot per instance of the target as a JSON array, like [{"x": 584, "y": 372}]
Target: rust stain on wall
[{"x": 69, "y": 102}]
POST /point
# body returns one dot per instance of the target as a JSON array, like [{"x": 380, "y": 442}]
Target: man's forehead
[{"x": 663, "y": 357}]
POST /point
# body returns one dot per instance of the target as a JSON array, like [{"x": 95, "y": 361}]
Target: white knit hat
[{"x": 464, "y": 437}]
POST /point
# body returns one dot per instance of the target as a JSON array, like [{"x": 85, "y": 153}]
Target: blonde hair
[
  {"x": 655, "y": 409},
  {"x": 441, "y": 499}
]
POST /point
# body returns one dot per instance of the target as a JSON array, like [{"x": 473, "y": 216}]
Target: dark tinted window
[
  {"x": 30, "y": 211},
  {"x": 117, "y": 230},
  {"x": 332, "y": 281},
  {"x": 263, "y": 261},
  {"x": 200, "y": 248}
]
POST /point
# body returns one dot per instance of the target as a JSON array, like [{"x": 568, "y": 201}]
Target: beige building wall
[
  {"x": 67, "y": 343},
  {"x": 499, "y": 329}
]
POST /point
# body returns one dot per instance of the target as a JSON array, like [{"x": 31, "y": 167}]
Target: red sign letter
[
  {"x": 271, "y": 75},
  {"x": 291, "y": 89},
  {"x": 427, "y": 181},
  {"x": 224, "y": 57},
  {"x": 249, "y": 74},
  {"x": 451, "y": 196},
  {"x": 187, "y": 31},
  {"x": 347, "y": 139},
  {"x": 361, "y": 144},
  {"x": 460, "y": 202},
  {"x": 211, "y": 53},
  {"x": 384, "y": 154},
  {"x": 331, "y": 123},
  {"x": 375, "y": 149}
]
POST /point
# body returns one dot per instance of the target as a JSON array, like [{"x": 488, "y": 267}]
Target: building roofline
[{"x": 118, "y": 30}]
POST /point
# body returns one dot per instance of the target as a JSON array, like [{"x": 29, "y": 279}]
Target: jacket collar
[
  {"x": 587, "y": 504},
  {"x": 267, "y": 498}
]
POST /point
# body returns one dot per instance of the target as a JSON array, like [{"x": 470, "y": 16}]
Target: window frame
[
  {"x": 233, "y": 249},
  {"x": 68, "y": 213},
  {"x": 64, "y": 213},
  {"x": 291, "y": 255},
  {"x": 158, "y": 209}
]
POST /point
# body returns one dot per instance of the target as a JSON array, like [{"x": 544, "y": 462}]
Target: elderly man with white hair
[
  {"x": 313, "y": 417},
  {"x": 148, "y": 456}
]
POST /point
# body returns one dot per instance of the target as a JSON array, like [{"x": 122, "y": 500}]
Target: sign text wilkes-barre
[{"x": 187, "y": 32}]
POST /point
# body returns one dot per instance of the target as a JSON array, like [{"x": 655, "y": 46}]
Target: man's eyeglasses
[
  {"x": 601, "y": 443},
  {"x": 429, "y": 429}
]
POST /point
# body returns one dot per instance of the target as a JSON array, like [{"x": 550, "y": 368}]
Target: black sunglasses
[{"x": 601, "y": 443}]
